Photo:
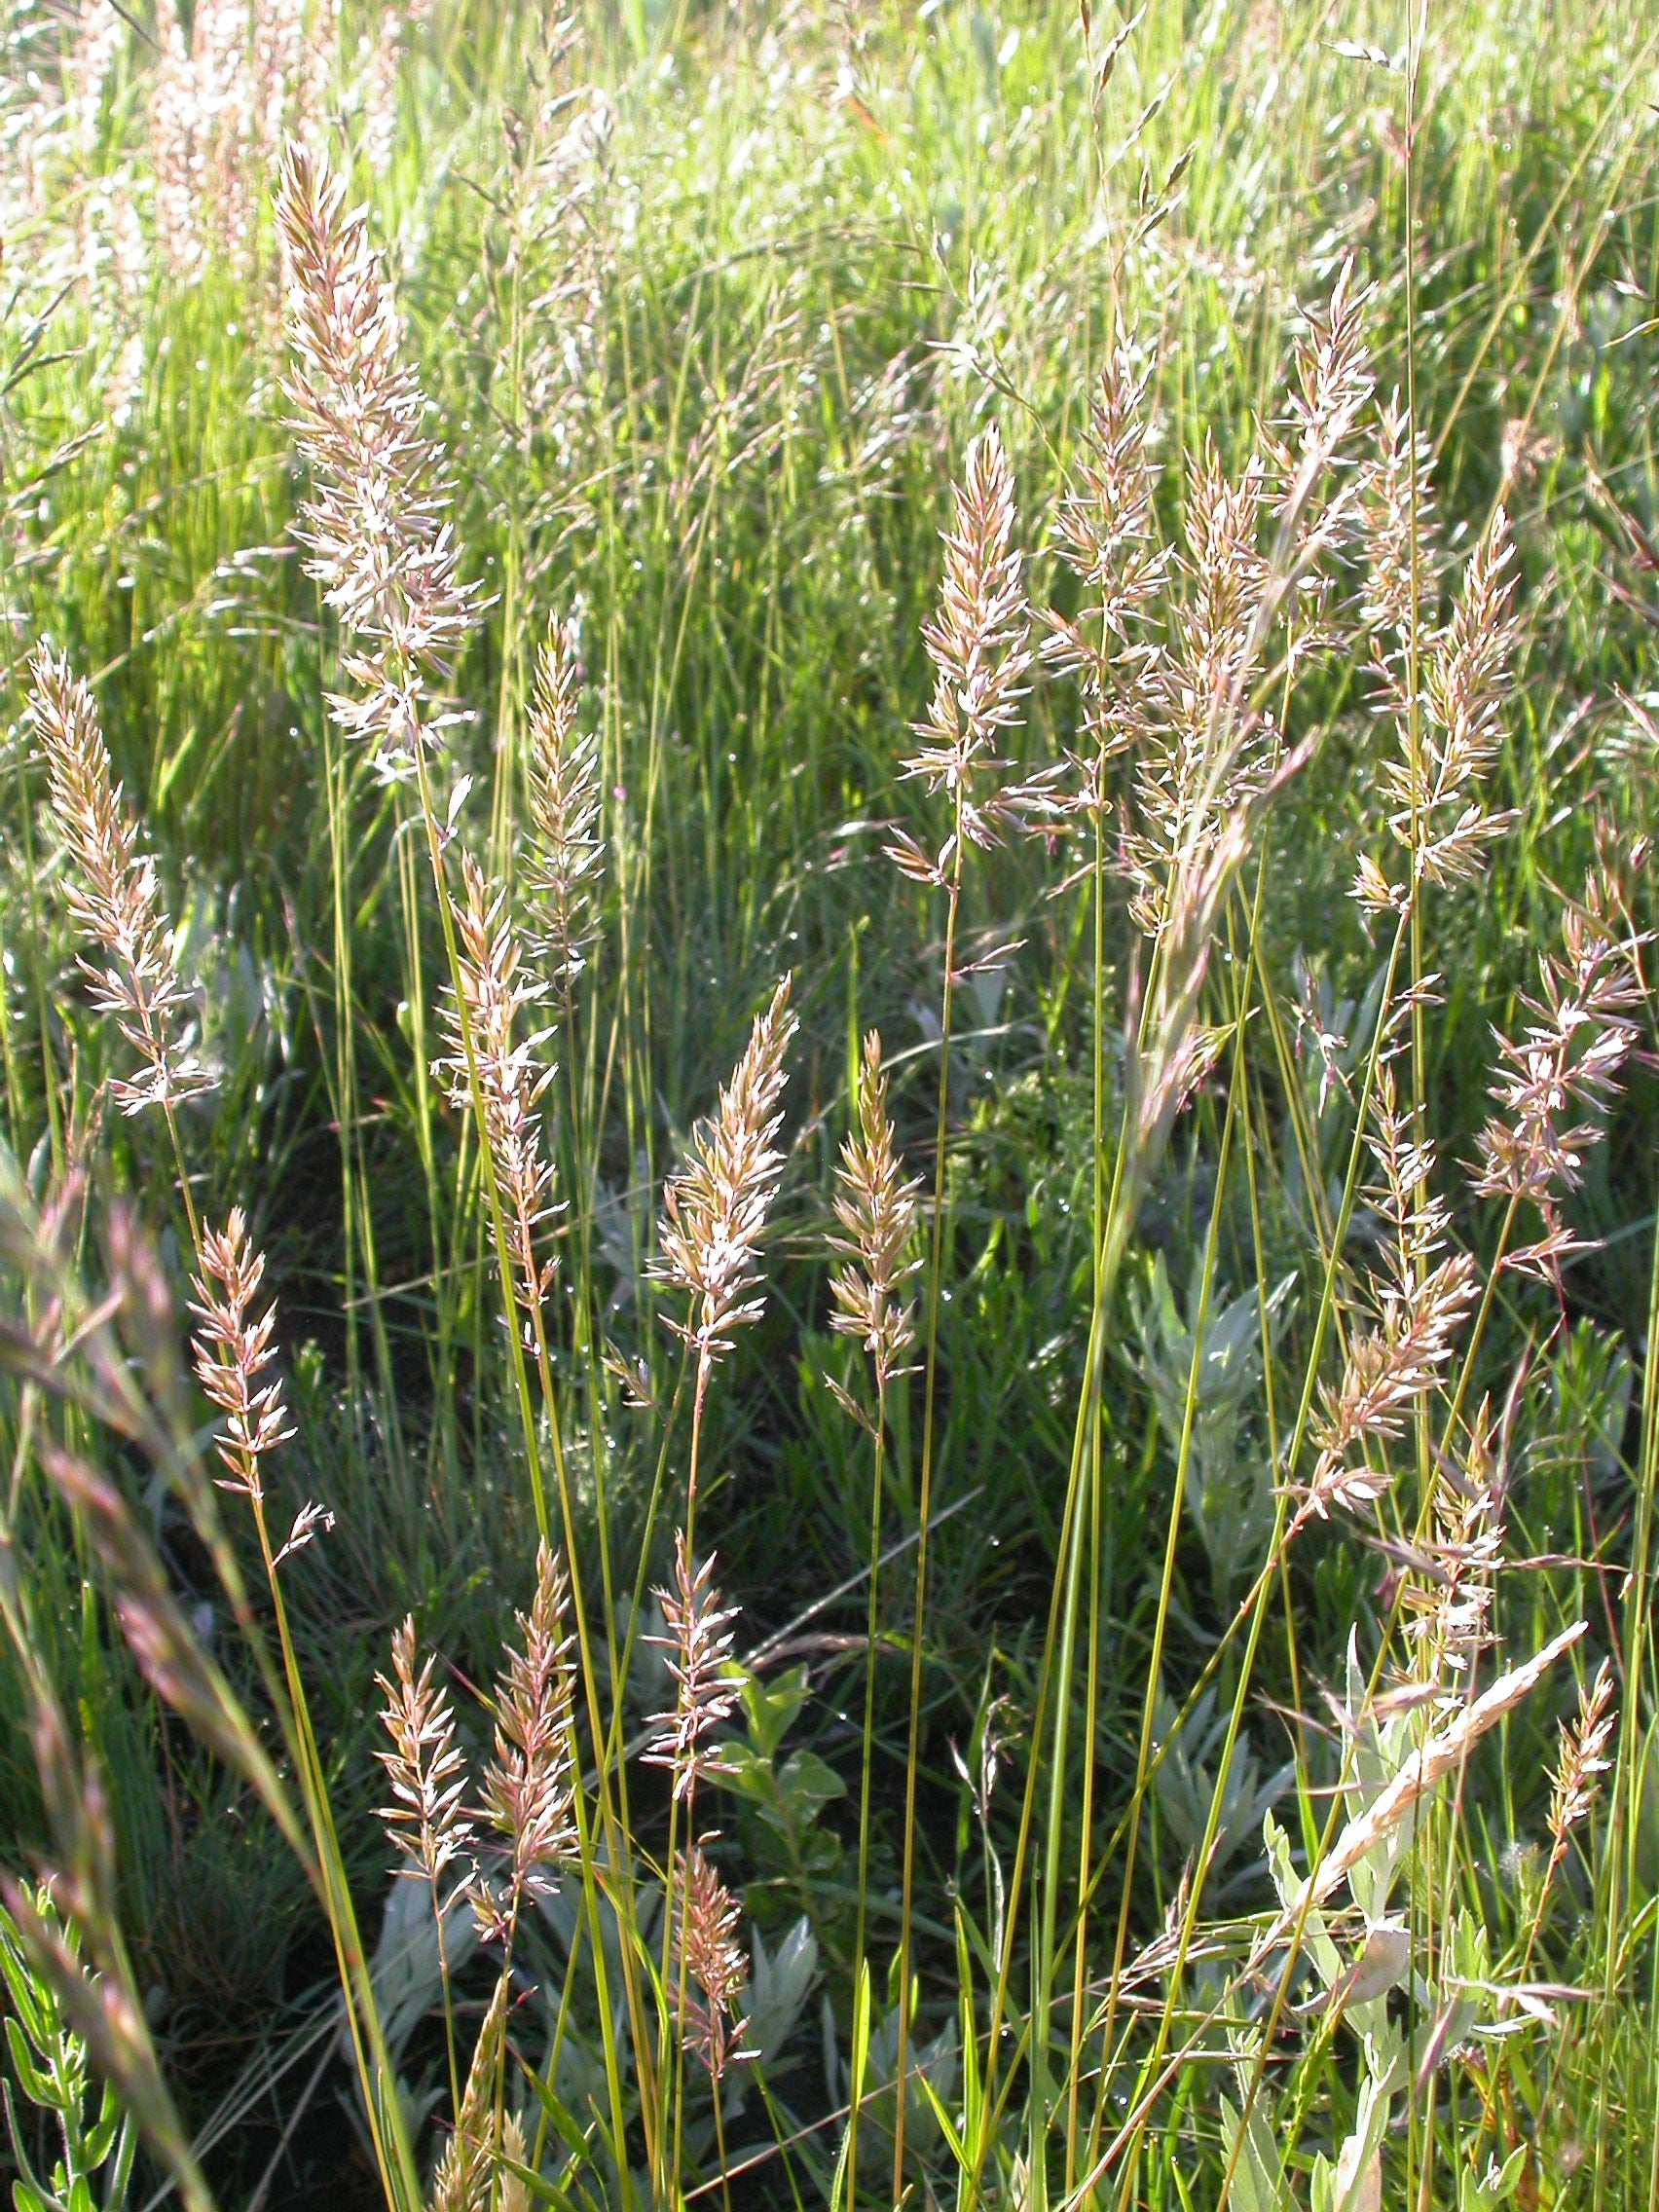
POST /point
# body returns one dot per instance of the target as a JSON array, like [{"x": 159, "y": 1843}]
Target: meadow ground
[{"x": 828, "y": 1104}]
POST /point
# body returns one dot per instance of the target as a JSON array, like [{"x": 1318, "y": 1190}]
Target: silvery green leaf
[{"x": 779, "y": 1984}]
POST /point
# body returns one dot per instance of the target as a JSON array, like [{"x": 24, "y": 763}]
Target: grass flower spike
[
  {"x": 114, "y": 894},
  {"x": 715, "y": 1209},
  {"x": 373, "y": 523}
]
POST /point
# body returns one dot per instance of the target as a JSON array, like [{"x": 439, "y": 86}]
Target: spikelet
[
  {"x": 1198, "y": 764},
  {"x": 512, "y": 2193},
  {"x": 220, "y": 101},
  {"x": 464, "y": 2181},
  {"x": 233, "y": 1349},
  {"x": 978, "y": 642},
  {"x": 113, "y": 893},
  {"x": 1334, "y": 386},
  {"x": 425, "y": 1765},
  {"x": 698, "y": 1643},
  {"x": 529, "y": 1785},
  {"x": 1449, "y": 1590},
  {"x": 374, "y": 522},
  {"x": 1401, "y": 538},
  {"x": 567, "y": 856},
  {"x": 875, "y": 1208},
  {"x": 1566, "y": 1063},
  {"x": 1448, "y": 737},
  {"x": 717, "y": 1974},
  {"x": 715, "y": 1209},
  {"x": 1582, "y": 1760},
  {"x": 1106, "y": 535},
  {"x": 512, "y": 1080},
  {"x": 375, "y": 91},
  {"x": 1421, "y": 1302},
  {"x": 1105, "y": 528}
]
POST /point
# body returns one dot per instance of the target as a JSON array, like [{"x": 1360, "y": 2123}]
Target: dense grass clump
[{"x": 828, "y": 1193}]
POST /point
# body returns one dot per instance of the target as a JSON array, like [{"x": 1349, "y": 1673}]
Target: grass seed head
[
  {"x": 373, "y": 522},
  {"x": 530, "y": 1784},
  {"x": 113, "y": 893},
  {"x": 567, "y": 856},
  {"x": 699, "y": 1644},
  {"x": 876, "y": 1211},
  {"x": 425, "y": 1766},
  {"x": 234, "y": 1351},
  {"x": 717, "y": 1972},
  {"x": 715, "y": 1209}
]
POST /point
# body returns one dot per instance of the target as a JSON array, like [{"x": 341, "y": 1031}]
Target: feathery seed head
[
  {"x": 1421, "y": 1299},
  {"x": 698, "y": 1643},
  {"x": 467, "y": 2173},
  {"x": 715, "y": 1209},
  {"x": 978, "y": 642},
  {"x": 1401, "y": 540},
  {"x": 1566, "y": 1063},
  {"x": 1334, "y": 386},
  {"x": 566, "y": 853},
  {"x": 875, "y": 1208},
  {"x": 1582, "y": 1760},
  {"x": 374, "y": 521},
  {"x": 425, "y": 1766},
  {"x": 1449, "y": 1590},
  {"x": 113, "y": 891},
  {"x": 1107, "y": 536},
  {"x": 530, "y": 1784},
  {"x": 1448, "y": 738},
  {"x": 512, "y": 1080},
  {"x": 233, "y": 1349},
  {"x": 717, "y": 1972}
]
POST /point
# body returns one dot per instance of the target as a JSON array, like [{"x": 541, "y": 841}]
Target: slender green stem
[{"x": 924, "y": 1504}]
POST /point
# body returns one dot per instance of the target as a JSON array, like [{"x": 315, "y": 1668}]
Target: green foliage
[
  {"x": 92, "y": 2140},
  {"x": 709, "y": 302}
]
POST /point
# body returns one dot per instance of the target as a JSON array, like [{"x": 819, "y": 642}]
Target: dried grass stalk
[{"x": 1438, "y": 1757}]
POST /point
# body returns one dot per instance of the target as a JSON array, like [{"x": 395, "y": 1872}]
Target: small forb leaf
[
  {"x": 36, "y": 2085},
  {"x": 809, "y": 1783},
  {"x": 771, "y": 1709},
  {"x": 1379, "y": 1966},
  {"x": 1364, "y": 2192}
]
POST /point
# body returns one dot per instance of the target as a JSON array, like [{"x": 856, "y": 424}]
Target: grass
[{"x": 1047, "y": 1692}]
